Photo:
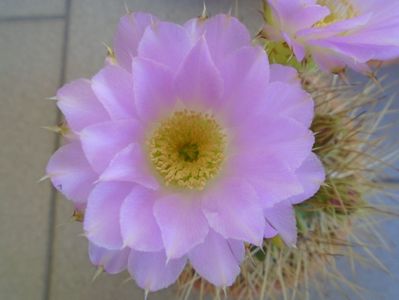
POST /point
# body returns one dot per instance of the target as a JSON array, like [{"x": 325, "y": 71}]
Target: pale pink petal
[
  {"x": 271, "y": 178},
  {"x": 328, "y": 61},
  {"x": 139, "y": 228},
  {"x": 113, "y": 261},
  {"x": 166, "y": 43},
  {"x": 153, "y": 89},
  {"x": 224, "y": 34},
  {"x": 309, "y": 15},
  {"x": 284, "y": 74},
  {"x": 102, "y": 141},
  {"x": 234, "y": 211},
  {"x": 79, "y": 105},
  {"x": 281, "y": 216},
  {"x": 377, "y": 6},
  {"x": 101, "y": 222},
  {"x": 152, "y": 271},
  {"x": 195, "y": 28},
  {"x": 128, "y": 36},
  {"x": 198, "y": 83},
  {"x": 299, "y": 50},
  {"x": 311, "y": 175},
  {"x": 361, "y": 51},
  {"x": 350, "y": 41},
  {"x": 270, "y": 231},
  {"x": 275, "y": 137},
  {"x": 113, "y": 87},
  {"x": 297, "y": 14},
  {"x": 131, "y": 165},
  {"x": 182, "y": 223},
  {"x": 71, "y": 174},
  {"x": 238, "y": 249},
  {"x": 246, "y": 74},
  {"x": 362, "y": 37},
  {"x": 216, "y": 261},
  {"x": 291, "y": 101},
  {"x": 333, "y": 29}
]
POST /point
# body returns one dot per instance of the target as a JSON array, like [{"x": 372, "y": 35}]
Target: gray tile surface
[
  {"x": 29, "y": 69},
  {"x": 31, "y": 66},
  {"x": 30, "y": 8}
]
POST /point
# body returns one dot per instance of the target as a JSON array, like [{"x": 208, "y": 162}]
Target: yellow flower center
[
  {"x": 340, "y": 10},
  {"x": 187, "y": 149}
]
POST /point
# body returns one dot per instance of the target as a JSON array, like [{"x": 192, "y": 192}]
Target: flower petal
[
  {"x": 270, "y": 231},
  {"x": 311, "y": 175},
  {"x": 271, "y": 137},
  {"x": 166, "y": 43},
  {"x": 281, "y": 216},
  {"x": 113, "y": 261},
  {"x": 153, "y": 89},
  {"x": 113, "y": 87},
  {"x": 328, "y": 61},
  {"x": 224, "y": 34},
  {"x": 272, "y": 180},
  {"x": 335, "y": 28},
  {"x": 298, "y": 14},
  {"x": 198, "y": 82},
  {"x": 238, "y": 249},
  {"x": 139, "y": 228},
  {"x": 233, "y": 210},
  {"x": 182, "y": 223},
  {"x": 216, "y": 261},
  {"x": 101, "y": 222},
  {"x": 102, "y": 141},
  {"x": 152, "y": 271},
  {"x": 71, "y": 174},
  {"x": 128, "y": 35},
  {"x": 362, "y": 51},
  {"x": 130, "y": 164},
  {"x": 289, "y": 100},
  {"x": 284, "y": 74},
  {"x": 79, "y": 105},
  {"x": 246, "y": 75}
]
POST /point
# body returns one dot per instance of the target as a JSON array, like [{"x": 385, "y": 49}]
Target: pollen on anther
[{"x": 187, "y": 149}]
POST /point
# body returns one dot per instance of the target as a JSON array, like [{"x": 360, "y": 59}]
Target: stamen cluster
[{"x": 187, "y": 149}]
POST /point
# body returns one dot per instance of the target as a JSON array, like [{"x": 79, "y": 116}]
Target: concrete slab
[
  {"x": 29, "y": 72},
  {"x": 30, "y": 8}
]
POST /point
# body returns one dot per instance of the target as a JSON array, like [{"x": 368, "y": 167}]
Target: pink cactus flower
[
  {"x": 337, "y": 33},
  {"x": 186, "y": 148}
]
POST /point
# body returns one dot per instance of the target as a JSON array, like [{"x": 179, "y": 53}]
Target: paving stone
[
  {"x": 25, "y": 8},
  {"x": 29, "y": 72}
]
